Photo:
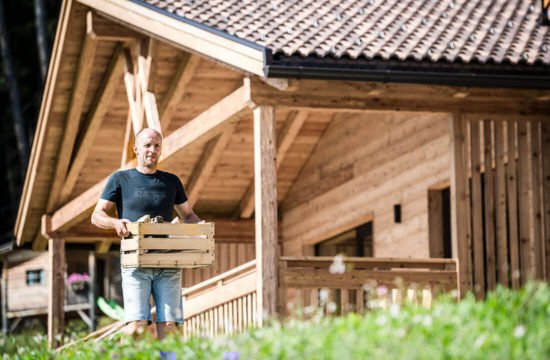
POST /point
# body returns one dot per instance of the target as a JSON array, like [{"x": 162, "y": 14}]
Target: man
[{"x": 137, "y": 192}]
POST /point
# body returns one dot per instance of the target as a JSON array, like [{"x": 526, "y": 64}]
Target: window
[
  {"x": 35, "y": 277},
  {"x": 439, "y": 223},
  {"x": 355, "y": 242}
]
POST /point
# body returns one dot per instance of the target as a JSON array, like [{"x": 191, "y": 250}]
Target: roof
[{"x": 446, "y": 31}]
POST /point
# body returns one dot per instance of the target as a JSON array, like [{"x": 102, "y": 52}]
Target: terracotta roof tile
[{"x": 464, "y": 31}]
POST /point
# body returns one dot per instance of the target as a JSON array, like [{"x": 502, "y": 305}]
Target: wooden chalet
[
  {"x": 25, "y": 285},
  {"x": 412, "y": 136}
]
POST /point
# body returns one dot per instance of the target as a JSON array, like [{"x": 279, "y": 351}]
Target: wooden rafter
[
  {"x": 199, "y": 130},
  {"x": 131, "y": 93},
  {"x": 93, "y": 122},
  {"x": 72, "y": 121},
  {"x": 182, "y": 78},
  {"x": 127, "y": 148},
  {"x": 101, "y": 29},
  {"x": 284, "y": 141},
  {"x": 205, "y": 167}
]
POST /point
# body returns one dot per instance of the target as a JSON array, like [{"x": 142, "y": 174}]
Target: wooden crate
[{"x": 190, "y": 245}]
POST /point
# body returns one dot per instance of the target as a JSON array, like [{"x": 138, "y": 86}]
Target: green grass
[{"x": 507, "y": 325}]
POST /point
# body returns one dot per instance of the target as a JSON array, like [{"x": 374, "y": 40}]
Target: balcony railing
[
  {"x": 227, "y": 303},
  {"x": 224, "y": 304},
  {"x": 340, "y": 285}
]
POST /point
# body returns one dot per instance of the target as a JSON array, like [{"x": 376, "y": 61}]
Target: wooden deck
[{"x": 227, "y": 303}]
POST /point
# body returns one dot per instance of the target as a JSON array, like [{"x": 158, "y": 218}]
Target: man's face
[{"x": 147, "y": 148}]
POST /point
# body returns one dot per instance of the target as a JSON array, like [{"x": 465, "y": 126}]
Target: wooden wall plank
[
  {"x": 537, "y": 247},
  {"x": 265, "y": 175},
  {"x": 501, "y": 210},
  {"x": 459, "y": 201},
  {"x": 489, "y": 205},
  {"x": 512, "y": 190},
  {"x": 477, "y": 210},
  {"x": 545, "y": 131},
  {"x": 526, "y": 265}
]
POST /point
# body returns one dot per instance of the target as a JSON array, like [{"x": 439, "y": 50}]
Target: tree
[
  {"x": 15, "y": 97},
  {"x": 41, "y": 37}
]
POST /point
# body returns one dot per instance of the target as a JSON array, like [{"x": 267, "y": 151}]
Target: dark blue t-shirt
[{"x": 137, "y": 194}]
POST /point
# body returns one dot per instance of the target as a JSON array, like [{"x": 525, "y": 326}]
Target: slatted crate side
[
  {"x": 171, "y": 229},
  {"x": 142, "y": 242},
  {"x": 192, "y": 245}
]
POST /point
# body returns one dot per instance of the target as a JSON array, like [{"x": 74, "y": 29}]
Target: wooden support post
[
  {"x": 92, "y": 291},
  {"x": 56, "y": 283},
  {"x": 512, "y": 189},
  {"x": 107, "y": 277},
  {"x": 545, "y": 129},
  {"x": 265, "y": 175},
  {"x": 4, "y": 291},
  {"x": 56, "y": 299},
  {"x": 460, "y": 226}
]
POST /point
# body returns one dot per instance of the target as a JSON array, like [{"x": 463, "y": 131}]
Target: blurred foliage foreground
[{"x": 507, "y": 325}]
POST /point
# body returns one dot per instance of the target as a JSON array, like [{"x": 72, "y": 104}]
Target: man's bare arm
[
  {"x": 185, "y": 211},
  {"x": 102, "y": 219}
]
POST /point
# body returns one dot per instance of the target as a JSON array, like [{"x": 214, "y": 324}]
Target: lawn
[{"x": 507, "y": 325}]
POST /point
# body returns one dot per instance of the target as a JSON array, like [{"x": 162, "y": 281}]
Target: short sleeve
[
  {"x": 181, "y": 196},
  {"x": 111, "y": 192}
]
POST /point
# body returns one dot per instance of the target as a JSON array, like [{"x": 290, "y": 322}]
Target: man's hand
[{"x": 120, "y": 227}]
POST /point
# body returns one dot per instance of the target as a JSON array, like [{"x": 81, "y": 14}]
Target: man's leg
[
  {"x": 167, "y": 294},
  {"x": 136, "y": 291},
  {"x": 135, "y": 328},
  {"x": 165, "y": 328}
]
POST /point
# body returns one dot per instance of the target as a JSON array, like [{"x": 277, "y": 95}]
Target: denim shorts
[{"x": 164, "y": 284}]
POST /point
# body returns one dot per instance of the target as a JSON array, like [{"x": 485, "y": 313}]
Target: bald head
[
  {"x": 146, "y": 132},
  {"x": 148, "y": 146}
]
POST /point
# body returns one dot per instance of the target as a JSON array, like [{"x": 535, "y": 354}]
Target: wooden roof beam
[
  {"x": 365, "y": 96},
  {"x": 205, "y": 167},
  {"x": 93, "y": 122},
  {"x": 72, "y": 120},
  {"x": 101, "y": 29},
  {"x": 200, "y": 129},
  {"x": 183, "y": 35},
  {"x": 284, "y": 141},
  {"x": 182, "y": 78}
]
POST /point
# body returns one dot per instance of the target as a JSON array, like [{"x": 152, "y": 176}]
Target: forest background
[{"x": 27, "y": 30}]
